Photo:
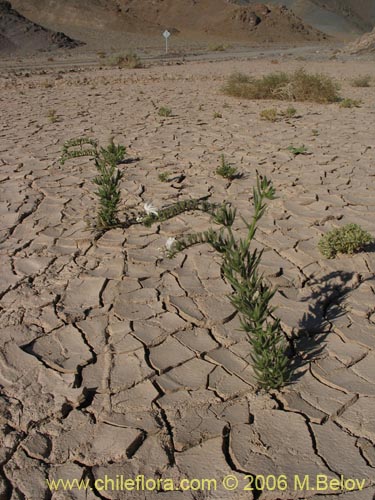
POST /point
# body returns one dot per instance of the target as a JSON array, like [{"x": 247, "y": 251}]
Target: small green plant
[
  {"x": 163, "y": 176},
  {"x": 347, "y": 239},
  {"x": 217, "y": 48},
  {"x": 226, "y": 170},
  {"x": 297, "y": 86},
  {"x": 302, "y": 150},
  {"x": 251, "y": 294},
  {"x": 108, "y": 177},
  {"x": 52, "y": 116},
  {"x": 315, "y": 132},
  {"x": 350, "y": 103},
  {"x": 362, "y": 81},
  {"x": 164, "y": 111},
  {"x": 129, "y": 60},
  {"x": 290, "y": 112},
  {"x": 270, "y": 115},
  {"x": 217, "y": 115},
  {"x": 273, "y": 115}
]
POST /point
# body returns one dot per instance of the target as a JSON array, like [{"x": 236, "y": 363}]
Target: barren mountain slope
[
  {"x": 330, "y": 16},
  {"x": 204, "y": 17},
  {"x": 19, "y": 33},
  {"x": 364, "y": 45}
]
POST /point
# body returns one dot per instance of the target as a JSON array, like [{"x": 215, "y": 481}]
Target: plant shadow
[{"x": 327, "y": 296}]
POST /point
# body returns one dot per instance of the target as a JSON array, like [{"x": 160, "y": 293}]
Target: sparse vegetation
[
  {"x": 164, "y": 111},
  {"x": 297, "y": 86},
  {"x": 290, "y": 112},
  {"x": 226, "y": 170},
  {"x": 52, "y": 116},
  {"x": 362, "y": 81},
  {"x": 273, "y": 115},
  {"x": 315, "y": 132},
  {"x": 270, "y": 115},
  {"x": 107, "y": 180},
  {"x": 301, "y": 150},
  {"x": 347, "y": 240},
  {"x": 217, "y": 115},
  {"x": 350, "y": 103},
  {"x": 129, "y": 60},
  {"x": 251, "y": 294},
  {"x": 163, "y": 176},
  {"x": 217, "y": 48}
]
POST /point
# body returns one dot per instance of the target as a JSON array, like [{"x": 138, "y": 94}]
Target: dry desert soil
[{"x": 116, "y": 361}]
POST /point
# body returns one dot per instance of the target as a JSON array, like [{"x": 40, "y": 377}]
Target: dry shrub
[
  {"x": 297, "y": 86},
  {"x": 130, "y": 60}
]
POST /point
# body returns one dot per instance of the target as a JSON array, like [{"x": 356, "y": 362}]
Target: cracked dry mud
[{"x": 115, "y": 360}]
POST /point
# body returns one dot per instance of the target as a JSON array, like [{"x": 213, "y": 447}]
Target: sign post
[{"x": 166, "y": 35}]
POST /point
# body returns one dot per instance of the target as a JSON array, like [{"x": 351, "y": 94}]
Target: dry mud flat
[{"x": 116, "y": 361}]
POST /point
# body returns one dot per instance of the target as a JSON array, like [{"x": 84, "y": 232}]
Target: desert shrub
[
  {"x": 163, "y": 176},
  {"x": 251, "y": 295},
  {"x": 129, "y": 60},
  {"x": 107, "y": 179},
  {"x": 347, "y": 239},
  {"x": 217, "y": 115},
  {"x": 164, "y": 111},
  {"x": 297, "y": 86},
  {"x": 362, "y": 81},
  {"x": 300, "y": 150},
  {"x": 273, "y": 115},
  {"x": 270, "y": 115},
  {"x": 226, "y": 170},
  {"x": 350, "y": 103},
  {"x": 217, "y": 48}
]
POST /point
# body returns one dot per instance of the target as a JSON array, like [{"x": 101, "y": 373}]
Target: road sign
[{"x": 166, "y": 35}]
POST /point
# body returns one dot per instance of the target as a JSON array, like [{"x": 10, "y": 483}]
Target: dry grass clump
[
  {"x": 129, "y": 60},
  {"x": 362, "y": 81},
  {"x": 297, "y": 86}
]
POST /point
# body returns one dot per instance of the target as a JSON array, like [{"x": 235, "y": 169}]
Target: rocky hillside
[
  {"x": 330, "y": 16},
  {"x": 189, "y": 17},
  {"x": 364, "y": 45},
  {"x": 19, "y": 33}
]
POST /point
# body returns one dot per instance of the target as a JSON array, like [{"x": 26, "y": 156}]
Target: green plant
[
  {"x": 226, "y": 170},
  {"x": 362, "y": 81},
  {"x": 163, "y": 111},
  {"x": 315, "y": 132},
  {"x": 163, "y": 176},
  {"x": 270, "y": 115},
  {"x": 290, "y": 112},
  {"x": 108, "y": 177},
  {"x": 350, "y": 103},
  {"x": 302, "y": 150},
  {"x": 52, "y": 116},
  {"x": 217, "y": 48},
  {"x": 129, "y": 60},
  {"x": 217, "y": 115},
  {"x": 251, "y": 294},
  {"x": 273, "y": 115},
  {"x": 347, "y": 239},
  {"x": 297, "y": 86}
]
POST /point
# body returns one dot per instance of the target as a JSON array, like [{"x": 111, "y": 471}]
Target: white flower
[
  {"x": 169, "y": 243},
  {"x": 149, "y": 209}
]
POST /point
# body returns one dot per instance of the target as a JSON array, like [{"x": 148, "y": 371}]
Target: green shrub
[
  {"x": 301, "y": 150},
  {"x": 350, "y": 103},
  {"x": 163, "y": 176},
  {"x": 163, "y": 111},
  {"x": 226, "y": 170},
  {"x": 297, "y": 86},
  {"x": 107, "y": 180},
  {"x": 347, "y": 239},
  {"x": 251, "y": 295}
]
